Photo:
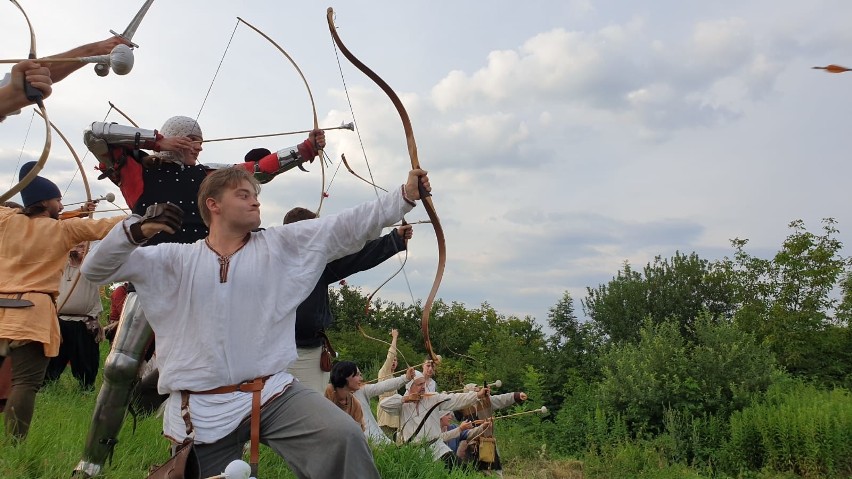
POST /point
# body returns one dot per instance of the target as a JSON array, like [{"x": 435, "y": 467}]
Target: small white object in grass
[{"x": 238, "y": 470}]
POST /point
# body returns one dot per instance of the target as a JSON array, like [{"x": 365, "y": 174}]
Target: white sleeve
[
  {"x": 115, "y": 258},
  {"x": 335, "y": 236},
  {"x": 392, "y": 405},
  {"x": 388, "y": 385}
]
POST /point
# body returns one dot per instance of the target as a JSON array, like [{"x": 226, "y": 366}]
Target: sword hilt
[{"x": 119, "y": 35}]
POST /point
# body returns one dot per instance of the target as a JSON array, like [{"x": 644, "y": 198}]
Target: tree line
[{"x": 724, "y": 366}]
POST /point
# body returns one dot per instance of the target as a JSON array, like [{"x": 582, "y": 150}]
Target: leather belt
[
  {"x": 254, "y": 386},
  {"x": 16, "y": 302}
]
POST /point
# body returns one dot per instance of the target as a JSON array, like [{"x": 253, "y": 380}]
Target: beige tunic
[
  {"x": 386, "y": 372},
  {"x": 33, "y": 252}
]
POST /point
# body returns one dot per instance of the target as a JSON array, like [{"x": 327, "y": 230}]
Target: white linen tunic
[
  {"x": 212, "y": 334},
  {"x": 367, "y": 391},
  {"x": 411, "y": 414}
]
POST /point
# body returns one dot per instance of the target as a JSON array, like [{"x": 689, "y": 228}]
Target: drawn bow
[
  {"x": 415, "y": 164},
  {"x": 310, "y": 96},
  {"x": 88, "y": 200},
  {"x": 37, "y": 97}
]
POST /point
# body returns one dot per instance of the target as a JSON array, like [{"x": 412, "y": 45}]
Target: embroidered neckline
[{"x": 225, "y": 260}]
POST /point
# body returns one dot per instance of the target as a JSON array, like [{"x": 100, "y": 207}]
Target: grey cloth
[
  {"x": 315, "y": 437},
  {"x": 307, "y": 369}
]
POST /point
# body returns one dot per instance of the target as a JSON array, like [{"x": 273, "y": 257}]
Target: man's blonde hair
[{"x": 217, "y": 182}]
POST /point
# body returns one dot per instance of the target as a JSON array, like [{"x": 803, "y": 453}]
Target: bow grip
[
  {"x": 422, "y": 189},
  {"x": 33, "y": 94}
]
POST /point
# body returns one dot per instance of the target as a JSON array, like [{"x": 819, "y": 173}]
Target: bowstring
[
  {"x": 83, "y": 160},
  {"x": 21, "y": 152},
  {"x": 402, "y": 261},
  {"x": 333, "y": 176},
  {"x": 216, "y": 73}
]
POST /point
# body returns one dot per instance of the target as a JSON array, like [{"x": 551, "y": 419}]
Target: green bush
[
  {"x": 714, "y": 374},
  {"x": 795, "y": 428}
]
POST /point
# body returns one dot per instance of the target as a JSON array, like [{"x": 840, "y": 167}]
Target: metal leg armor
[{"x": 120, "y": 372}]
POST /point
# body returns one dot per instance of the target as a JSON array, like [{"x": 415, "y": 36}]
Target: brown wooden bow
[
  {"x": 415, "y": 164},
  {"x": 47, "y": 138},
  {"x": 88, "y": 200},
  {"x": 310, "y": 95}
]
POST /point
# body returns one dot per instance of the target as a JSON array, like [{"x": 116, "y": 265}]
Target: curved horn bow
[{"x": 415, "y": 164}]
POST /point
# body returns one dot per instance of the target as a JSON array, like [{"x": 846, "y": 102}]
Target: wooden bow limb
[
  {"x": 112, "y": 105},
  {"x": 364, "y": 333},
  {"x": 310, "y": 95},
  {"x": 348, "y": 126},
  {"x": 37, "y": 97},
  {"x": 349, "y": 168},
  {"x": 88, "y": 200},
  {"x": 415, "y": 164}
]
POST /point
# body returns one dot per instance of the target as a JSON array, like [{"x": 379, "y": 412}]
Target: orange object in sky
[{"x": 833, "y": 68}]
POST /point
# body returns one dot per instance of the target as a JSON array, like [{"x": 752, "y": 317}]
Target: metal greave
[{"x": 121, "y": 368}]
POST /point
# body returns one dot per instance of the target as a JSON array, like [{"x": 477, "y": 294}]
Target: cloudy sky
[{"x": 562, "y": 138}]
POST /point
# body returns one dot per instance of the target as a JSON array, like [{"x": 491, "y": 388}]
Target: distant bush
[{"x": 796, "y": 428}]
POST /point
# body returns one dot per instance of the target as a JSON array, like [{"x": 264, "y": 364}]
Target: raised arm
[
  {"x": 285, "y": 159},
  {"x": 12, "y": 96},
  {"x": 58, "y": 71},
  {"x": 117, "y": 257}
]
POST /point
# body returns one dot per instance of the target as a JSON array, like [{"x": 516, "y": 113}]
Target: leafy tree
[
  {"x": 572, "y": 351},
  {"x": 678, "y": 288},
  {"x": 713, "y": 374},
  {"x": 790, "y": 302},
  {"x": 618, "y": 307}
]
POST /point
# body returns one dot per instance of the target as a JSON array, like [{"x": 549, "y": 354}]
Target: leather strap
[{"x": 254, "y": 386}]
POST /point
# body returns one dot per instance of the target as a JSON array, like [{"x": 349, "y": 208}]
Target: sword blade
[{"x": 137, "y": 19}]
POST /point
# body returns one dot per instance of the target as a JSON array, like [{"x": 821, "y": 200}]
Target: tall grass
[
  {"x": 61, "y": 421},
  {"x": 796, "y": 428}
]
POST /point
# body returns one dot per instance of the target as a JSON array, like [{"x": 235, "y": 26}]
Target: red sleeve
[
  {"x": 127, "y": 175},
  {"x": 117, "y": 298},
  {"x": 132, "y": 184}
]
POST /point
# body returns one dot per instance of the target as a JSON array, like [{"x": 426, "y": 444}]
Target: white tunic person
[
  {"x": 346, "y": 387},
  {"x": 420, "y": 415},
  {"x": 224, "y": 312}
]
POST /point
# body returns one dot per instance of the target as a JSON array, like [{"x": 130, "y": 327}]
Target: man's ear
[{"x": 212, "y": 205}]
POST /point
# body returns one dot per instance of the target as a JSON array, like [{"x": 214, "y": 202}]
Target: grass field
[{"x": 62, "y": 417}]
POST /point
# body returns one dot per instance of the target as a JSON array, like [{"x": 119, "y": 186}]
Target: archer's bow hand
[
  {"x": 412, "y": 397},
  {"x": 417, "y": 186},
  {"x": 88, "y": 207},
  {"x": 317, "y": 139},
  {"x": 483, "y": 392},
  {"x": 405, "y": 232},
  {"x": 13, "y": 97}
]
